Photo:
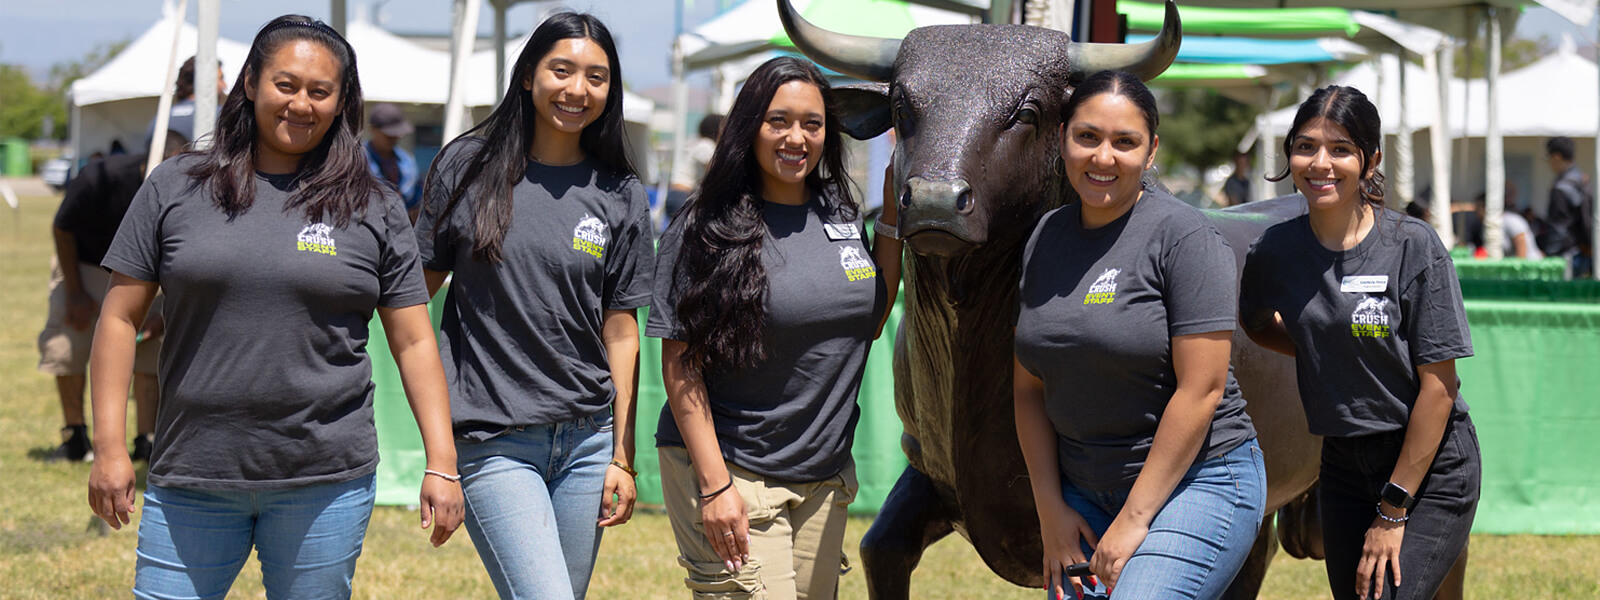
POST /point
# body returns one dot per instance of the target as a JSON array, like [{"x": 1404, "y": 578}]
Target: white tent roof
[
  {"x": 1554, "y": 96},
  {"x": 396, "y": 70},
  {"x": 393, "y": 69},
  {"x": 140, "y": 70}
]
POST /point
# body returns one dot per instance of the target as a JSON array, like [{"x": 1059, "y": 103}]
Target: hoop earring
[{"x": 1058, "y": 167}]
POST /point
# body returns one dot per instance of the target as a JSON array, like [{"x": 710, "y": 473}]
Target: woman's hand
[
  {"x": 442, "y": 507},
  {"x": 1063, "y": 530},
  {"x": 1380, "y": 554},
  {"x": 616, "y": 503},
  {"x": 111, "y": 485},
  {"x": 727, "y": 527},
  {"x": 1122, "y": 538}
]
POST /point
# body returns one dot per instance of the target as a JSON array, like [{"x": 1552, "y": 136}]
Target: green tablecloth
[
  {"x": 1534, "y": 388},
  {"x": 1511, "y": 269}
]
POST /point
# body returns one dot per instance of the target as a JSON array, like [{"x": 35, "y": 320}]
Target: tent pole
[
  {"x": 1266, "y": 154},
  {"x": 461, "y": 42},
  {"x": 1404, "y": 154},
  {"x": 499, "y": 50},
  {"x": 680, "y": 109},
  {"x": 205, "y": 86},
  {"x": 1439, "y": 64},
  {"x": 1494, "y": 148},
  {"x": 338, "y": 8},
  {"x": 164, "y": 106}
]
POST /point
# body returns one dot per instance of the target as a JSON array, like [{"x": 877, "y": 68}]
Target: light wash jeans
[
  {"x": 1199, "y": 540},
  {"x": 533, "y": 504},
  {"x": 193, "y": 543}
]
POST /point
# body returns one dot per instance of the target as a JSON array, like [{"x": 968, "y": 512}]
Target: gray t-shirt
[
  {"x": 265, "y": 378},
  {"x": 1099, "y": 309},
  {"x": 1362, "y": 320},
  {"x": 792, "y": 417},
  {"x": 1514, "y": 225},
  {"x": 522, "y": 339}
]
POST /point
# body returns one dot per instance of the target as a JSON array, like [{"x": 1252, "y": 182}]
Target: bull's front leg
[{"x": 912, "y": 518}]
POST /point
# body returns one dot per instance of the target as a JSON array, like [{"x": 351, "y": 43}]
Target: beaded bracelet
[{"x": 1392, "y": 519}]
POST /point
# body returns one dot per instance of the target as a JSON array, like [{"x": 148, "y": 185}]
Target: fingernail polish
[{"x": 729, "y": 565}]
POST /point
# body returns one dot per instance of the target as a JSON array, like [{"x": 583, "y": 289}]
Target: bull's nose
[{"x": 952, "y": 195}]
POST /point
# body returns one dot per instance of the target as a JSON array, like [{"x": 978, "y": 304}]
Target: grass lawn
[{"x": 51, "y": 548}]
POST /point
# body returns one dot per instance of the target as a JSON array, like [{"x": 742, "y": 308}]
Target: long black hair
[
  {"x": 507, "y": 135},
  {"x": 1346, "y": 107},
  {"x": 722, "y": 304},
  {"x": 332, "y": 180}
]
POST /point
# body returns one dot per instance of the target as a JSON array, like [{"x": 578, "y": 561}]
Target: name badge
[
  {"x": 838, "y": 232},
  {"x": 1364, "y": 283}
]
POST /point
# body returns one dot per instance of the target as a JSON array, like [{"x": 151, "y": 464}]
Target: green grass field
[{"x": 50, "y": 547}]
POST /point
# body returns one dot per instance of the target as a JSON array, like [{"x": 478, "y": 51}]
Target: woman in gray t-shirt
[
  {"x": 273, "y": 248},
  {"x": 1367, "y": 302},
  {"x": 767, "y": 298},
  {"x": 538, "y": 215},
  {"x": 1141, "y": 457}
]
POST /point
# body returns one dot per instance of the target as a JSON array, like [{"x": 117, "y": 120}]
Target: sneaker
[
  {"x": 142, "y": 446},
  {"x": 75, "y": 445}
]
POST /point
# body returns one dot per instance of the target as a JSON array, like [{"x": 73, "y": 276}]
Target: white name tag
[
  {"x": 1364, "y": 283},
  {"x": 837, "y": 232}
]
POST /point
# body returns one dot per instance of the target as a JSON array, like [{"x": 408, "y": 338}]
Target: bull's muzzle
[{"x": 939, "y": 217}]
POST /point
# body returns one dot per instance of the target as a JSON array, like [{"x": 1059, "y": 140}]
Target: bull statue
[{"x": 977, "y": 113}]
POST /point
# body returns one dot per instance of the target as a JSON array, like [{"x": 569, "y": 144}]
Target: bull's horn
[
  {"x": 865, "y": 58},
  {"x": 1145, "y": 61}
]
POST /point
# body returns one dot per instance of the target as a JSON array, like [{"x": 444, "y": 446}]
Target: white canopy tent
[{"x": 117, "y": 101}]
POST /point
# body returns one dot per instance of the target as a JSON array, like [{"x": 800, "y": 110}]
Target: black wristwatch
[{"x": 1397, "y": 496}]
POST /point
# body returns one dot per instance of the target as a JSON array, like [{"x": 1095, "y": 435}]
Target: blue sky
[{"x": 39, "y": 33}]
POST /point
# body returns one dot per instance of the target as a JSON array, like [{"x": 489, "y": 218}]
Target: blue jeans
[
  {"x": 193, "y": 543},
  {"x": 533, "y": 505},
  {"x": 1201, "y": 537}
]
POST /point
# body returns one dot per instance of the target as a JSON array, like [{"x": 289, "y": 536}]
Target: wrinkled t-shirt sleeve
[
  {"x": 630, "y": 263},
  {"x": 663, "y": 321},
  {"x": 1199, "y": 291},
  {"x": 1435, "y": 317},
  {"x": 136, "y": 250},
  {"x": 400, "y": 282},
  {"x": 437, "y": 249},
  {"x": 1254, "y": 311}
]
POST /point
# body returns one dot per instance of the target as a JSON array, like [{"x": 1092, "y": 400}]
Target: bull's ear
[{"x": 864, "y": 109}]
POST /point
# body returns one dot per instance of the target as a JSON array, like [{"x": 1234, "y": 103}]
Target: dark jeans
[{"x": 1354, "y": 470}]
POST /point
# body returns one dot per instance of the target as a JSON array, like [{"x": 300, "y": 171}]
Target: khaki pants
[
  {"x": 796, "y": 533},
  {"x": 65, "y": 351}
]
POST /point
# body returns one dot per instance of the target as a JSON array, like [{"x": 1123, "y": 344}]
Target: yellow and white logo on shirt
[
  {"x": 1104, "y": 288},
  {"x": 317, "y": 237},
  {"x": 1369, "y": 318},
  {"x": 856, "y": 267},
  {"x": 590, "y": 236}
]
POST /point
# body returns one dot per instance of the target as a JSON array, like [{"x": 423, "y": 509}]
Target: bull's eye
[
  {"x": 902, "y": 118},
  {"x": 1028, "y": 116}
]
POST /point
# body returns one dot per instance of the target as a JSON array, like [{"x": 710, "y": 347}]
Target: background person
[
  {"x": 1236, "y": 189},
  {"x": 85, "y": 223},
  {"x": 767, "y": 299},
  {"x": 1367, "y": 302},
  {"x": 1570, "y": 213},
  {"x": 274, "y": 248},
  {"x": 687, "y": 173},
  {"x": 540, "y": 217},
  {"x": 1141, "y": 457},
  {"x": 390, "y": 162},
  {"x": 180, "y": 117}
]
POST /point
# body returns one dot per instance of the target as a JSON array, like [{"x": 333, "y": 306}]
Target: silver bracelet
[
  {"x": 1392, "y": 519},
  {"x": 883, "y": 228},
  {"x": 446, "y": 476}
]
